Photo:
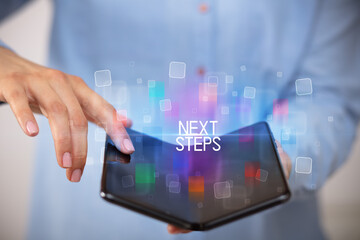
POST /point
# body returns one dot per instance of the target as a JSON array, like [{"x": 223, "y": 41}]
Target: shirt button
[{"x": 203, "y": 8}]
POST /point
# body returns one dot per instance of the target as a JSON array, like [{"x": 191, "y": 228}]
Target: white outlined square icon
[
  {"x": 303, "y": 86},
  {"x": 249, "y": 92},
  {"x": 177, "y": 70},
  {"x": 165, "y": 105},
  {"x": 303, "y": 165},
  {"x": 222, "y": 190},
  {"x": 102, "y": 78}
]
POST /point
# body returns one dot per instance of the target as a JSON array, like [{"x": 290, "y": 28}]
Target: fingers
[
  {"x": 285, "y": 159},
  {"x": 19, "y": 104},
  {"x": 175, "y": 230},
  {"x": 78, "y": 129},
  {"x": 56, "y": 111},
  {"x": 103, "y": 114}
]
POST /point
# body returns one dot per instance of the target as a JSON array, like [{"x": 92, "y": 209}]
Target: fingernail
[
  {"x": 67, "y": 160},
  {"x": 128, "y": 145},
  {"x": 31, "y": 127},
  {"x": 76, "y": 175}
]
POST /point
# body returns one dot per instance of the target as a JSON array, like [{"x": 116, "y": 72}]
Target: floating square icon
[
  {"x": 213, "y": 80},
  {"x": 177, "y": 70},
  {"x": 225, "y": 110},
  {"x": 151, "y": 83},
  {"x": 165, "y": 105},
  {"x": 127, "y": 181},
  {"x": 222, "y": 190},
  {"x": 229, "y": 79},
  {"x": 279, "y": 74},
  {"x": 234, "y": 93},
  {"x": 243, "y": 68},
  {"x": 261, "y": 175},
  {"x": 249, "y": 92},
  {"x": 171, "y": 177},
  {"x": 303, "y": 86},
  {"x": 147, "y": 119},
  {"x": 303, "y": 165},
  {"x": 139, "y": 80},
  {"x": 330, "y": 118},
  {"x": 102, "y": 78},
  {"x": 174, "y": 187}
]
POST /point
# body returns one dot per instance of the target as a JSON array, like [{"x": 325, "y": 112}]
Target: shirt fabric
[{"x": 137, "y": 39}]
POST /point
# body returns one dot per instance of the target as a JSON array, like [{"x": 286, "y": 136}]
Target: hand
[
  {"x": 286, "y": 162},
  {"x": 66, "y": 101}
]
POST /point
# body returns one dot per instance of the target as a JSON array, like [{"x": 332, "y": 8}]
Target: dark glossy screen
[{"x": 196, "y": 186}]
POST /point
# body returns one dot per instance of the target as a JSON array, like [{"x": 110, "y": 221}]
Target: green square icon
[{"x": 145, "y": 173}]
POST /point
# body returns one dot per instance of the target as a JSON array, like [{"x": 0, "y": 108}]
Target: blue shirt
[{"x": 263, "y": 44}]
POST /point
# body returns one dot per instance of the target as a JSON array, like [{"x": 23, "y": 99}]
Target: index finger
[{"x": 99, "y": 111}]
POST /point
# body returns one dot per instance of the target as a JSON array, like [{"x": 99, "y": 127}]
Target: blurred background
[{"x": 27, "y": 32}]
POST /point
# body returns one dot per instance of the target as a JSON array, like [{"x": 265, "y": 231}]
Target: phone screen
[{"x": 196, "y": 186}]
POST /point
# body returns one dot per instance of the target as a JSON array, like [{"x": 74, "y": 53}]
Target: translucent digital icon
[
  {"x": 215, "y": 83},
  {"x": 234, "y": 93},
  {"x": 229, "y": 79},
  {"x": 222, "y": 190},
  {"x": 139, "y": 80},
  {"x": 102, "y": 78},
  {"x": 151, "y": 83},
  {"x": 213, "y": 80},
  {"x": 147, "y": 119},
  {"x": 261, "y": 175},
  {"x": 249, "y": 92},
  {"x": 225, "y": 110},
  {"x": 279, "y": 74},
  {"x": 100, "y": 134},
  {"x": 174, "y": 187},
  {"x": 303, "y": 165},
  {"x": 243, "y": 68},
  {"x": 330, "y": 118},
  {"x": 303, "y": 86},
  {"x": 127, "y": 181},
  {"x": 177, "y": 70},
  {"x": 165, "y": 105},
  {"x": 171, "y": 177}
]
